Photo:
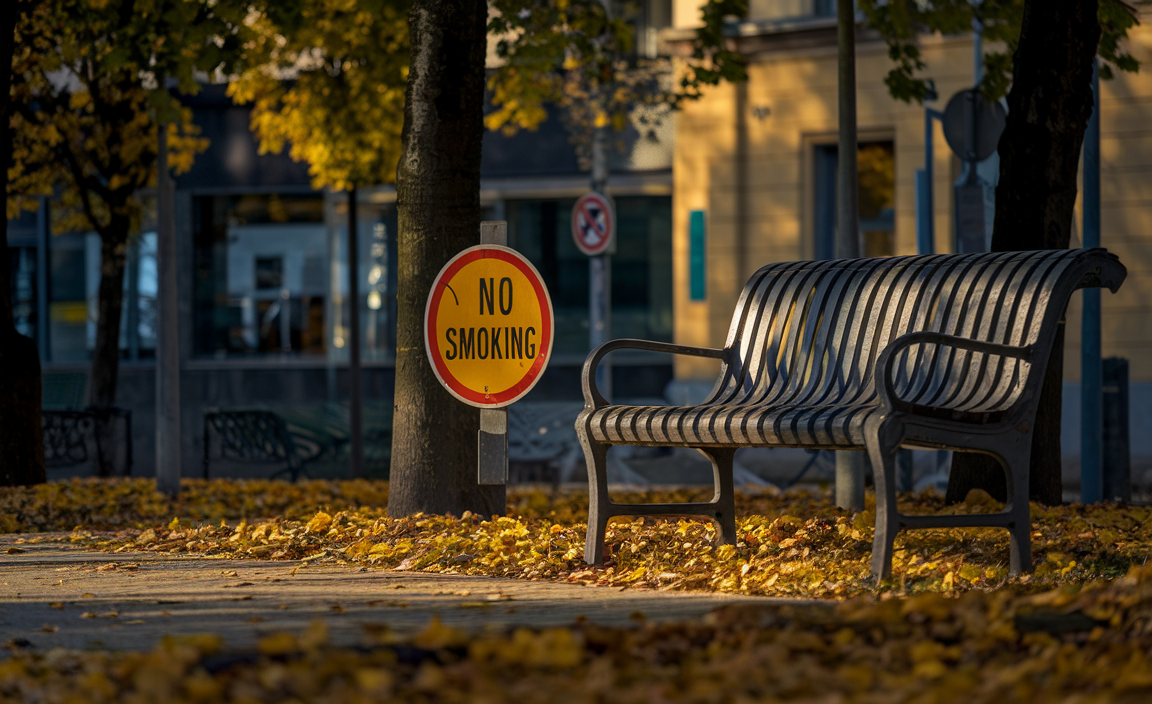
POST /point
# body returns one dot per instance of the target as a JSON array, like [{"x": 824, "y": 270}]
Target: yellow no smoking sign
[{"x": 488, "y": 326}]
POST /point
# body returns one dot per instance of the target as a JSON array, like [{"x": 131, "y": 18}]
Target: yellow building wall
[{"x": 744, "y": 155}]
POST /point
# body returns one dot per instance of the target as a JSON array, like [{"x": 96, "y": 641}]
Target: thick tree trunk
[
  {"x": 21, "y": 442},
  {"x": 434, "y": 440},
  {"x": 1048, "y": 110},
  {"x": 106, "y": 354}
]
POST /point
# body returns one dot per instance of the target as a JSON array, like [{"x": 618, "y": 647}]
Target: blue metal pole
[
  {"x": 1091, "y": 370},
  {"x": 923, "y": 212},
  {"x": 926, "y": 234},
  {"x": 926, "y": 242}
]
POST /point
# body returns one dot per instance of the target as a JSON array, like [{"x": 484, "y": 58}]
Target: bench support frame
[
  {"x": 885, "y": 436},
  {"x": 721, "y": 510}
]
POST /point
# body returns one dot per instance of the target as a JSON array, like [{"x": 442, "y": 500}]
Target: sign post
[
  {"x": 972, "y": 128},
  {"x": 488, "y": 331},
  {"x": 594, "y": 232}
]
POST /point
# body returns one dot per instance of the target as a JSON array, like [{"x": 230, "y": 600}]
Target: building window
[
  {"x": 376, "y": 264},
  {"x": 22, "y": 284},
  {"x": 876, "y": 193},
  {"x": 641, "y": 267},
  {"x": 67, "y": 277},
  {"x": 260, "y": 275}
]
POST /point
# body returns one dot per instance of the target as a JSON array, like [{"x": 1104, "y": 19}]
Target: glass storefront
[
  {"x": 22, "y": 277},
  {"x": 260, "y": 280},
  {"x": 71, "y": 273},
  {"x": 138, "y": 317},
  {"x": 269, "y": 278},
  {"x": 376, "y": 264}
]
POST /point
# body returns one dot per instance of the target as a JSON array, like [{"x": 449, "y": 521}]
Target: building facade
[{"x": 754, "y": 181}]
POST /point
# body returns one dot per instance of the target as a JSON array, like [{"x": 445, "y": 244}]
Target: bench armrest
[
  {"x": 884, "y": 386},
  {"x": 592, "y": 396}
]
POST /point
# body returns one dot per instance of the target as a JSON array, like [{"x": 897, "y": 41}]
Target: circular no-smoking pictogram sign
[
  {"x": 488, "y": 326},
  {"x": 593, "y": 223}
]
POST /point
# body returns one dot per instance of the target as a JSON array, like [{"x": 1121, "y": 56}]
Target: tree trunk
[
  {"x": 106, "y": 355},
  {"x": 21, "y": 441},
  {"x": 434, "y": 441},
  {"x": 1048, "y": 111}
]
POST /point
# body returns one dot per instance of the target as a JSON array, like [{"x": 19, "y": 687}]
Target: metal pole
[
  {"x": 600, "y": 272},
  {"x": 167, "y": 334},
  {"x": 1091, "y": 370},
  {"x": 132, "y": 302},
  {"x": 492, "y": 440},
  {"x": 849, "y": 464},
  {"x": 355, "y": 395},
  {"x": 977, "y": 76},
  {"x": 926, "y": 234},
  {"x": 43, "y": 272},
  {"x": 977, "y": 51}
]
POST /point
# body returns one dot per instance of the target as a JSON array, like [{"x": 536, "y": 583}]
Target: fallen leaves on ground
[
  {"x": 1072, "y": 644},
  {"x": 108, "y": 504},
  {"x": 792, "y": 544}
]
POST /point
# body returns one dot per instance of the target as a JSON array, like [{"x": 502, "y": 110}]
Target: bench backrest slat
[{"x": 809, "y": 333}]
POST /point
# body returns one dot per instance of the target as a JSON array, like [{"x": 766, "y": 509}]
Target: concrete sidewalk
[{"x": 54, "y": 594}]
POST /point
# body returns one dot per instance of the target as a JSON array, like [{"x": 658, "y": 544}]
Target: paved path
[{"x": 55, "y": 594}]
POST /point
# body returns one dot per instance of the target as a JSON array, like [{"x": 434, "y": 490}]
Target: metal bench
[
  {"x": 929, "y": 352},
  {"x": 70, "y": 428},
  {"x": 293, "y": 434},
  {"x": 250, "y": 435},
  {"x": 69, "y": 435}
]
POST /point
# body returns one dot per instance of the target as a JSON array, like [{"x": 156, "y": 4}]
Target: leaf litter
[
  {"x": 789, "y": 544},
  {"x": 950, "y": 626}
]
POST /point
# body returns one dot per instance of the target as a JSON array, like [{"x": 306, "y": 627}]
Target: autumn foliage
[
  {"x": 951, "y": 627},
  {"x": 794, "y": 544},
  {"x": 1066, "y": 645}
]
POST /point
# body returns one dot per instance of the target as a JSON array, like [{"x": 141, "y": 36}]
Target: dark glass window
[
  {"x": 876, "y": 191},
  {"x": 641, "y": 267},
  {"x": 261, "y": 280},
  {"x": 376, "y": 272}
]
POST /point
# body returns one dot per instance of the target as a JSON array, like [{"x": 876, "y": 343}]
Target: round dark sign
[{"x": 972, "y": 125}]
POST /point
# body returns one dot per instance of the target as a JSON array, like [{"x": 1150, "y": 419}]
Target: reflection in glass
[
  {"x": 876, "y": 193},
  {"x": 260, "y": 284},
  {"x": 22, "y": 281},
  {"x": 376, "y": 260}
]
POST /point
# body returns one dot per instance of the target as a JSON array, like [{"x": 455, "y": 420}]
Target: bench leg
[
  {"x": 1016, "y": 464},
  {"x": 883, "y": 460},
  {"x": 596, "y": 457},
  {"x": 724, "y": 496}
]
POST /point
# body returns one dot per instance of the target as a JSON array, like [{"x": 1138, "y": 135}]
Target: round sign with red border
[
  {"x": 488, "y": 326},
  {"x": 593, "y": 223}
]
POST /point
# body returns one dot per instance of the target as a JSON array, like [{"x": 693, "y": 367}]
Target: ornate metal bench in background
[
  {"x": 250, "y": 435},
  {"x": 70, "y": 436},
  {"x": 316, "y": 431},
  {"x": 928, "y": 352}
]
